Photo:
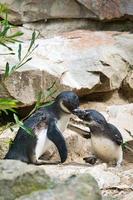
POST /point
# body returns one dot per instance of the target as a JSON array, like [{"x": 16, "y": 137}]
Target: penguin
[
  {"x": 106, "y": 139},
  {"x": 47, "y": 125}
]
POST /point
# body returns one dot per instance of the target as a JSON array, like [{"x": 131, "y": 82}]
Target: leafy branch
[
  {"x": 9, "y": 70},
  {"x": 5, "y": 27}
]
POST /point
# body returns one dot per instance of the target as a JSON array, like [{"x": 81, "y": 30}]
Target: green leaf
[
  {"x": 19, "y": 52},
  {"x": 6, "y": 103},
  {"x": 9, "y": 48},
  {"x": 7, "y": 70},
  {"x": 17, "y": 34},
  {"x": 25, "y": 62},
  {"x": 5, "y": 30},
  {"x": 32, "y": 40},
  {"x": 21, "y": 124}
]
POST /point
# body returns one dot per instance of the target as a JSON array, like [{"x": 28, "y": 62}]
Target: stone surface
[
  {"x": 66, "y": 59},
  {"x": 127, "y": 86},
  {"x": 122, "y": 117},
  {"x": 105, "y": 178},
  {"x": 128, "y": 196},
  {"x": 112, "y": 181},
  {"x": 17, "y": 178},
  {"x": 30, "y": 10},
  {"x": 55, "y": 27},
  {"x": 109, "y": 9},
  {"x": 75, "y": 188},
  {"x": 6, "y": 136}
]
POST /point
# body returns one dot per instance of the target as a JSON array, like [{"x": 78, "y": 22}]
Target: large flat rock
[{"x": 83, "y": 61}]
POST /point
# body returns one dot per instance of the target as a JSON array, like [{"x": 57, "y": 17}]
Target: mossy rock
[
  {"x": 82, "y": 187},
  {"x": 17, "y": 179}
]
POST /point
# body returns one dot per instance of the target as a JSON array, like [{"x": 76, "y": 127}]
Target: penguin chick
[
  {"x": 106, "y": 140},
  {"x": 47, "y": 125}
]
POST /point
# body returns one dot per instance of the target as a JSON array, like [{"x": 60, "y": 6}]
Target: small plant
[{"x": 5, "y": 38}]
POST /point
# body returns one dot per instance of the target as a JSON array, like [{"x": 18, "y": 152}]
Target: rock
[
  {"x": 105, "y": 177},
  {"x": 128, "y": 196},
  {"x": 128, "y": 151},
  {"x": 108, "y": 198},
  {"x": 110, "y": 9},
  {"x": 97, "y": 56},
  {"x": 30, "y": 11},
  {"x": 122, "y": 116},
  {"x": 17, "y": 178},
  {"x": 6, "y": 136},
  {"x": 112, "y": 181},
  {"x": 76, "y": 188},
  {"x": 55, "y": 27},
  {"x": 127, "y": 86}
]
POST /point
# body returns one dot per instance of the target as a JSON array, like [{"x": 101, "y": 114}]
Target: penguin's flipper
[
  {"x": 117, "y": 137},
  {"x": 57, "y": 138}
]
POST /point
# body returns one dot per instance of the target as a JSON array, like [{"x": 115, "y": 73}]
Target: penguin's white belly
[
  {"x": 105, "y": 148},
  {"x": 43, "y": 143}
]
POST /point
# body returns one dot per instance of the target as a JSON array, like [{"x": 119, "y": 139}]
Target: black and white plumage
[
  {"x": 106, "y": 139},
  {"x": 47, "y": 125}
]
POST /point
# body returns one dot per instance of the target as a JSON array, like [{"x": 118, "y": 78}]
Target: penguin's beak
[{"x": 79, "y": 113}]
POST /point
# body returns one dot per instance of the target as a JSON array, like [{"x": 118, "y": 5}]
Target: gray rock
[
  {"x": 128, "y": 196},
  {"x": 75, "y": 188},
  {"x": 110, "y": 9},
  {"x": 17, "y": 178},
  {"x": 54, "y": 27},
  {"x": 30, "y": 10},
  {"x": 127, "y": 86},
  {"x": 105, "y": 178},
  {"x": 84, "y": 61},
  {"x": 109, "y": 198},
  {"x": 122, "y": 116}
]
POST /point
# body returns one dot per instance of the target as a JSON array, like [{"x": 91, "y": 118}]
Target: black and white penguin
[
  {"x": 106, "y": 140},
  {"x": 47, "y": 125}
]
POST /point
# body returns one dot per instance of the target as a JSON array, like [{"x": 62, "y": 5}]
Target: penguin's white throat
[{"x": 64, "y": 108}]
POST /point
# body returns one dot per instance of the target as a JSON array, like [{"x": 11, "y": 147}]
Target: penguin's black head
[
  {"x": 68, "y": 101},
  {"x": 92, "y": 117}
]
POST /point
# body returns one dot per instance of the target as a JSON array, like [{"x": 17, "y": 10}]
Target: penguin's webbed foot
[{"x": 91, "y": 160}]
